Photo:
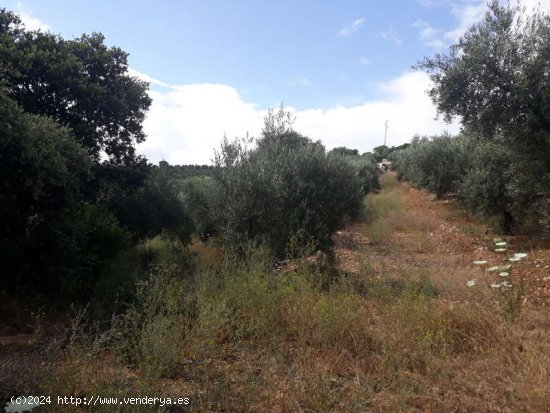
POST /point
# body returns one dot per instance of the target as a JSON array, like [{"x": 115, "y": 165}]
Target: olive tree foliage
[
  {"x": 485, "y": 185},
  {"x": 151, "y": 207},
  {"x": 496, "y": 79},
  {"x": 198, "y": 194},
  {"x": 364, "y": 165},
  {"x": 284, "y": 185},
  {"x": 435, "y": 163},
  {"x": 380, "y": 152},
  {"x": 277, "y": 123}
]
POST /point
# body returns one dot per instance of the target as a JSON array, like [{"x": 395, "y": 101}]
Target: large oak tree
[{"x": 81, "y": 83}]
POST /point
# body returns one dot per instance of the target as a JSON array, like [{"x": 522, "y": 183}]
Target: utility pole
[{"x": 386, "y": 132}]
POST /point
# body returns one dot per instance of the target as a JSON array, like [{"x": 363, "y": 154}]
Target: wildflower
[
  {"x": 504, "y": 274},
  {"x": 480, "y": 262},
  {"x": 500, "y": 244},
  {"x": 495, "y": 285},
  {"x": 500, "y": 249},
  {"x": 514, "y": 259},
  {"x": 505, "y": 267},
  {"x": 520, "y": 255},
  {"x": 471, "y": 283},
  {"x": 492, "y": 269}
]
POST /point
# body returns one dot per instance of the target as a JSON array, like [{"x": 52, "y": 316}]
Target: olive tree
[
  {"x": 284, "y": 185},
  {"x": 496, "y": 79}
]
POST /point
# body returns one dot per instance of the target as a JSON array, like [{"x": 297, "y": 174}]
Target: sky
[{"x": 215, "y": 66}]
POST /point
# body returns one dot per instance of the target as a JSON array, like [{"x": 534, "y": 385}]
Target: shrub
[
  {"x": 198, "y": 194},
  {"x": 147, "y": 201},
  {"x": 72, "y": 250},
  {"x": 491, "y": 178},
  {"x": 286, "y": 184},
  {"x": 364, "y": 166},
  {"x": 484, "y": 186},
  {"x": 435, "y": 164},
  {"x": 151, "y": 332}
]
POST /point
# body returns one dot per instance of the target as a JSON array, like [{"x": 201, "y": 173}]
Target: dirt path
[{"x": 438, "y": 237}]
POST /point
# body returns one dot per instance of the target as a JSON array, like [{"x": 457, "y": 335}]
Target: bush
[
  {"x": 491, "y": 178},
  {"x": 435, "y": 164},
  {"x": 284, "y": 185},
  {"x": 198, "y": 194},
  {"x": 484, "y": 186},
  {"x": 365, "y": 167},
  {"x": 82, "y": 239},
  {"x": 50, "y": 239},
  {"x": 146, "y": 201},
  {"x": 115, "y": 290}
]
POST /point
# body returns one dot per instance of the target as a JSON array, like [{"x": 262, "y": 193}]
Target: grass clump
[
  {"x": 379, "y": 206},
  {"x": 389, "y": 181}
]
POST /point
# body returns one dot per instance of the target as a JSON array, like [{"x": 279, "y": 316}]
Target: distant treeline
[{"x": 185, "y": 171}]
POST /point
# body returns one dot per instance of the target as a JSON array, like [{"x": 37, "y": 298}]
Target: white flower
[
  {"x": 514, "y": 259},
  {"x": 492, "y": 269},
  {"x": 500, "y": 244},
  {"x": 500, "y": 249},
  {"x": 480, "y": 262},
  {"x": 495, "y": 285},
  {"x": 505, "y": 267},
  {"x": 504, "y": 274},
  {"x": 471, "y": 283},
  {"x": 520, "y": 255}
]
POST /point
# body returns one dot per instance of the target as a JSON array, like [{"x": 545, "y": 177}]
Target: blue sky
[{"x": 215, "y": 66}]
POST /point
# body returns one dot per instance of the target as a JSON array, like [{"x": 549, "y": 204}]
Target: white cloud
[
  {"x": 363, "y": 61},
  {"x": 146, "y": 78},
  {"x": 466, "y": 15},
  {"x": 187, "y": 122},
  {"x": 428, "y": 32},
  {"x": 429, "y": 35},
  {"x": 405, "y": 104},
  {"x": 465, "y": 12},
  {"x": 392, "y": 35},
  {"x": 300, "y": 81},
  {"x": 30, "y": 22},
  {"x": 432, "y": 3},
  {"x": 355, "y": 26}
]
